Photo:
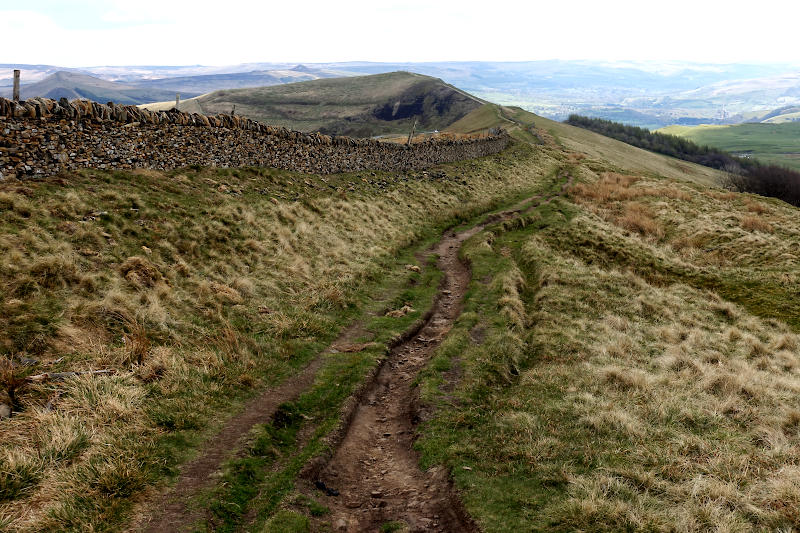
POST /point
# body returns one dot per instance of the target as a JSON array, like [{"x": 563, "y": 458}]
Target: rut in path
[
  {"x": 374, "y": 469},
  {"x": 171, "y": 511}
]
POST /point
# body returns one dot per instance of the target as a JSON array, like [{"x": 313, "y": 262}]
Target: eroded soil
[{"x": 375, "y": 470}]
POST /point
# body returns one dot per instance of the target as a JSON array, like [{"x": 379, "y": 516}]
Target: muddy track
[
  {"x": 171, "y": 511},
  {"x": 374, "y": 467},
  {"x": 375, "y": 470}
]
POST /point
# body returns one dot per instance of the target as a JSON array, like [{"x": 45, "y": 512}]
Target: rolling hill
[
  {"x": 72, "y": 85},
  {"x": 777, "y": 143},
  {"x": 359, "y": 106},
  {"x": 206, "y": 83},
  {"x": 595, "y": 146}
]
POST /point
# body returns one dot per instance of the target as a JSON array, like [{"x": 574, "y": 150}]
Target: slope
[
  {"x": 359, "y": 106},
  {"x": 627, "y": 361},
  {"x": 593, "y": 145}
]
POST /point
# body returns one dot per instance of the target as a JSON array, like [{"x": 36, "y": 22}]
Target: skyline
[{"x": 96, "y": 33}]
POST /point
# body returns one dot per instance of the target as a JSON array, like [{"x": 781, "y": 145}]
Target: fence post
[
  {"x": 411, "y": 135},
  {"x": 16, "y": 85}
]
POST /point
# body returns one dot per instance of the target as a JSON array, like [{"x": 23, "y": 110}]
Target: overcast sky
[{"x": 164, "y": 32}]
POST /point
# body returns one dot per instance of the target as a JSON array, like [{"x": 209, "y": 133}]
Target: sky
[{"x": 163, "y": 32}]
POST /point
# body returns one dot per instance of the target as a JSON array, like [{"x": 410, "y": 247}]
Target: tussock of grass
[
  {"x": 753, "y": 223},
  {"x": 639, "y": 218}
]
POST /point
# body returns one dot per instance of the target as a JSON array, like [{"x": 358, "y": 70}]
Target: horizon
[{"x": 609, "y": 63}]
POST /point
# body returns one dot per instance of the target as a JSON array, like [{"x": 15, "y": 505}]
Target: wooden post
[
  {"x": 233, "y": 111},
  {"x": 16, "y": 85},
  {"x": 177, "y": 101},
  {"x": 411, "y": 135}
]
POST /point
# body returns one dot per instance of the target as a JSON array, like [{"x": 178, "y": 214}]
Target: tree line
[{"x": 744, "y": 174}]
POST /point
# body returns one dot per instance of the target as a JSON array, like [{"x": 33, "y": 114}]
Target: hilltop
[
  {"x": 74, "y": 85},
  {"x": 360, "y": 106}
]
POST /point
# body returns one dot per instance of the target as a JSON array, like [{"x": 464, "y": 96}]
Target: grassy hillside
[
  {"x": 360, "y": 106},
  {"x": 197, "y": 288},
  {"x": 628, "y": 357},
  {"x": 596, "y": 147},
  {"x": 771, "y": 143},
  {"x": 628, "y": 361}
]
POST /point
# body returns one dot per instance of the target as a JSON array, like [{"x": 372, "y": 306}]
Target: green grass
[
  {"x": 770, "y": 143},
  {"x": 604, "y": 394},
  {"x": 239, "y": 278}
]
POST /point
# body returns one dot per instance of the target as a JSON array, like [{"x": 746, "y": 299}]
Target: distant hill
[
  {"x": 72, "y": 85},
  {"x": 360, "y": 106},
  {"x": 777, "y": 143},
  {"x": 783, "y": 114},
  {"x": 202, "y": 84}
]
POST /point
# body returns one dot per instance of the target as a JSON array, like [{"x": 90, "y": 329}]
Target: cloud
[{"x": 120, "y": 32}]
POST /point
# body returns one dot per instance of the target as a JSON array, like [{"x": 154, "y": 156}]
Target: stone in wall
[{"x": 41, "y": 137}]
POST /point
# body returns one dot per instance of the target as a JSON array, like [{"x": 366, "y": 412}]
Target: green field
[{"x": 771, "y": 143}]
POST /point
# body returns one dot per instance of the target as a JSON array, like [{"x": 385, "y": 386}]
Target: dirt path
[
  {"x": 170, "y": 511},
  {"x": 375, "y": 469}
]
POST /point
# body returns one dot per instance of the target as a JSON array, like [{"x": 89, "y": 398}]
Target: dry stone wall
[{"x": 41, "y": 137}]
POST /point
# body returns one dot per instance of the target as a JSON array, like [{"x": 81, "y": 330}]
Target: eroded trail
[
  {"x": 172, "y": 509},
  {"x": 375, "y": 469}
]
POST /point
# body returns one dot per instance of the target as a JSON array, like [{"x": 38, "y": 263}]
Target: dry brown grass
[
  {"x": 610, "y": 187},
  {"x": 639, "y": 218},
  {"x": 685, "y": 399},
  {"x": 754, "y": 223},
  {"x": 756, "y": 207}
]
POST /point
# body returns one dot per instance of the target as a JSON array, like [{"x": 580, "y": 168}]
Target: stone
[
  {"x": 5, "y": 411},
  {"x": 80, "y": 134}
]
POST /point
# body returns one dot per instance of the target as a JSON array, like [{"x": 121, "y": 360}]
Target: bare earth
[{"x": 375, "y": 469}]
